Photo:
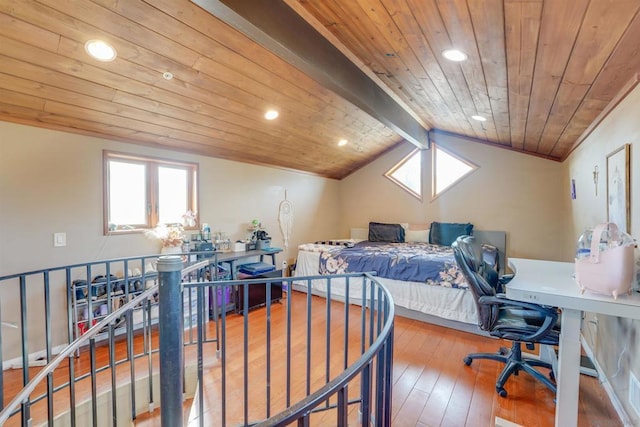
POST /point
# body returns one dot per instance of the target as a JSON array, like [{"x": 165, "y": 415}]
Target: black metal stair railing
[
  {"x": 372, "y": 367},
  {"x": 346, "y": 358},
  {"x": 312, "y": 363},
  {"x": 36, "y": 305}
]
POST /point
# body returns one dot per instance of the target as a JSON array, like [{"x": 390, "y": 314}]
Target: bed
[{"x": 422, "y": 277}]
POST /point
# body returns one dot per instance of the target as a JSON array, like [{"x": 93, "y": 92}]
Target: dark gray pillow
[
  {"x": 381, "y": 232},
  {"x": 445, "y": 233}
]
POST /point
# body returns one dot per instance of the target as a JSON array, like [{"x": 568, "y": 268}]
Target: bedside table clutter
[
  {"x": 258, "y": 293},
  {"x": 242, "y": 266}
]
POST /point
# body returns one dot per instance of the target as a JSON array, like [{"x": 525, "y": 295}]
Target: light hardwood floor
[
  {"x": 433, "y": 387},
  {"x": 431, "y": 384}
]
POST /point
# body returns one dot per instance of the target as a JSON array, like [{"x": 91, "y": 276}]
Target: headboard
[
  {"x": 495, "y": 238},
  {"x": 359, "y": 234}
]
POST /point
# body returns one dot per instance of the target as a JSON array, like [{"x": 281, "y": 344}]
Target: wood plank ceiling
[{"x": 540, "y": 71}]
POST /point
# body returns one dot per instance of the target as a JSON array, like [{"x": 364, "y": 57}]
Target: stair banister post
[{"x": 171, "y": 336}]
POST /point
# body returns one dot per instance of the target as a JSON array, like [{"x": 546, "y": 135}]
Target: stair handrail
[
  {"x": 69, "y": 350},
  {"x": 23, "y": 395}
]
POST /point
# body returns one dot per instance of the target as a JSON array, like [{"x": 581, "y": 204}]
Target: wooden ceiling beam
[{"x": 280, "y": 29}]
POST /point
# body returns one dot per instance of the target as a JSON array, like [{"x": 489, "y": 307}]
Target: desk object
[
  {"x": 234, "y": 258},
  {"x": 552, "y": 283},
  {"x": 203, "y": 248},
  {"x": 256, "y": 268},
  {"x": 258, "y": 293}
]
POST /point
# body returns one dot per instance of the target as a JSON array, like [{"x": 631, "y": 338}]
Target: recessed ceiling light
[
  {"x": 100, "y": 50},
  {"x": 454, "y": 55},
  {"x": 342, "y": 142},
  {"x": 479, "y": 118},
  {"x": 167, "y": 75},
  {"x": 271, "y": 115}
]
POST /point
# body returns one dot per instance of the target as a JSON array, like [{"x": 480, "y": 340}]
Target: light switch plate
[{"x": 59, "y": 239}]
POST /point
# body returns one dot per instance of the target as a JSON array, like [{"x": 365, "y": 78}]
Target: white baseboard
[
  {"x": 617, "y": 405},
  {"x": 39, "y": 358},
  {"x": 499, "y": 422}
]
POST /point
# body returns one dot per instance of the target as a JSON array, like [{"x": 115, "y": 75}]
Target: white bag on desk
[{"x": 606, "y": 267}]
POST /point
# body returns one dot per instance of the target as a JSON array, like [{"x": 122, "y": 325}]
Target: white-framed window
[
  {"x": 447, "y": 170},
  {"x": 142, "y": 192},
  {"x": 407, "y": 173}
]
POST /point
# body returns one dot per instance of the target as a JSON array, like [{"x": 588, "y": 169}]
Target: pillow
[
  {"x": 417, "y": 236},
  {"x": 380, "y": 232},
  {"x": 445, "y": 233}
]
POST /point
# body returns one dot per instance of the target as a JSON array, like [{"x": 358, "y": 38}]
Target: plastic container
[
  {"x": 583, "y": 248},
  {"x": 206, "y": 231},
  {"x": 605, "y": 260}
]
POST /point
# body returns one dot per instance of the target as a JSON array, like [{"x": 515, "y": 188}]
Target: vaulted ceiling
[{"x": 542, "y": 72}]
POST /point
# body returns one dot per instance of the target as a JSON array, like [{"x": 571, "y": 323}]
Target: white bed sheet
[{"x": 447, "y": 303}]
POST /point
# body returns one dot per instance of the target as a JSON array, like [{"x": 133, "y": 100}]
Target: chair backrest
[{"x": 482, "y": 280}]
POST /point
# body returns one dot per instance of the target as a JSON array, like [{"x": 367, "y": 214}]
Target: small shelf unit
[{"x": 91, "y": 302}]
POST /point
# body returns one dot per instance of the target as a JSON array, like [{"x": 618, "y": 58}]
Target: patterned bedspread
[{"x": 416, "y": 262}]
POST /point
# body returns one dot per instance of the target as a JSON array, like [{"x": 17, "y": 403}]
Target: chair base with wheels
[{"x": 514, "y": 363}]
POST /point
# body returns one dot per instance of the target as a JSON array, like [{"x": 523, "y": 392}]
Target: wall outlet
[
  {"x": 634, "y": 393},
  {"x": 59, "y": 239}
]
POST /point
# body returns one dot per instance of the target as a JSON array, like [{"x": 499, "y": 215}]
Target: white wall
[
  {"x": 52, "y": 182},
  {"x": 524, "y": 195},
  {"x": 616, "y": 340}
]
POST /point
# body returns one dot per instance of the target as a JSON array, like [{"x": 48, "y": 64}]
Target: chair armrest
[
  {"x": 502, "y": 281},
  {"x": 501, "y": 299},
  {"x": 505, "y": 278}
]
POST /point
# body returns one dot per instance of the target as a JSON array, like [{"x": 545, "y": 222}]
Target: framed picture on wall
[{"x": 618, "y": 191}]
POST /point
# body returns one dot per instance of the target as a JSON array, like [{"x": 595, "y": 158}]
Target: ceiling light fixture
[
  {"x": 271, "y": 115},
  {"x": 479, "y": 118},
  {"x": 342, "y": 142},
  {"x": 454, "y": 55},
  {"x": 100, "y": 50},
  {"x": 167, "y": 75}
]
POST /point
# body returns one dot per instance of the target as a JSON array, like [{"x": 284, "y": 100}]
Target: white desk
[{"x": 552, "y": 283}]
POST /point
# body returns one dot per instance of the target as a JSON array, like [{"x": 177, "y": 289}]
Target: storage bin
[{"x": 605, "y": 261}]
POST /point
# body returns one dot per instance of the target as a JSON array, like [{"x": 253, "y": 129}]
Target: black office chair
[{"x": 519, "y": 322}]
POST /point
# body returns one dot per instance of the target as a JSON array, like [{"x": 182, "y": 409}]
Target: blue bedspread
[{"x": 415, "y": 262}]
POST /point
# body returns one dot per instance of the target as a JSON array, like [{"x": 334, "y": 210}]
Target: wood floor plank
[
  {"x": 441, "y": 394},
  {"x": 460, "y": 401},
  {"x": 435, "y": 363},
  {"x": 481, "y": 406},
  {"x": 404, "y": 385},
  {"x": 525, "y": 407},
  {"x": 412, "y": 366},
  {"x": 411, "y": 408}
]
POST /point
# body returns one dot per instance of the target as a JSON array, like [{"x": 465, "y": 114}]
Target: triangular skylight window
[
  {"x": 448, "y": 169},
  {"x": 407, "y": 173}
]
